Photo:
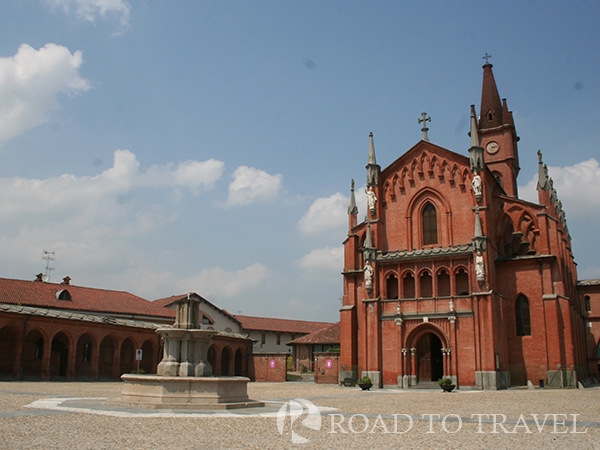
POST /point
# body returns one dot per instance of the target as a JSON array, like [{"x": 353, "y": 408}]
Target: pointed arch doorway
[{"x": 430, "y": 363}]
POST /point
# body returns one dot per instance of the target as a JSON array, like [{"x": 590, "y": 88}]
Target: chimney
[
  {"x": 66, "y": 280},
  {"x": 39, "y": 277}
]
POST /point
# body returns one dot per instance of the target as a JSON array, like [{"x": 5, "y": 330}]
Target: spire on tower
[
  {"x": 352, "y": 208},
  {"x": 491, "y": 106},
  {"x": 372, "y": 167},
  {"x": 475, "y": 151}
]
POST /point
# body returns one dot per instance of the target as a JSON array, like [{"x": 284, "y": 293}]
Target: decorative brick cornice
[{"x": 404, "y": 255}]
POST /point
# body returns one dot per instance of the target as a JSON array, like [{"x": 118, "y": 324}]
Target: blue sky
[{"x": 165, "y": 147}]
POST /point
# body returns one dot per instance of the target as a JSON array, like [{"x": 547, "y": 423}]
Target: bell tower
[{"x": 497, "y": 134}]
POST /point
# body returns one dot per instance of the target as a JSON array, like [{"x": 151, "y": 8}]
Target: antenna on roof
[{"x": 48, "y": 256}]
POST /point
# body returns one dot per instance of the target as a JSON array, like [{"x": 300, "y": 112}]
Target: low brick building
[{"x": 304, "y": 348}]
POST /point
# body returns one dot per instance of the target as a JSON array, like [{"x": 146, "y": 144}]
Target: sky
[{"x": 208, "y": 146}]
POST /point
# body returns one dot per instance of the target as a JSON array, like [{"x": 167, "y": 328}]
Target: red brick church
[{"x": 452, "y": 275}]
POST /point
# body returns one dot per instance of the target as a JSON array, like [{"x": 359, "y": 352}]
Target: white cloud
[
  {"x": 93, "y": 219},
  {"x": 577, "y": 186},
  {"x": 88, "y": 10},
  {"x": 326, "y": 214},
  {"x": 30, "y": 82},
  {"x": 219, "y": 283},
  {"x": 252, "y": 185},
  {"x": 323, "y": 262}
]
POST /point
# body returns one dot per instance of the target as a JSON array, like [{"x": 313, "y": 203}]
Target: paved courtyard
[{"x": 53, "y": 415}]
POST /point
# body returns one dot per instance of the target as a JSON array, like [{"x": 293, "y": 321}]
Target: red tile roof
[
  {"x": 250, "y": 323},
  {"x": 42, "y": 294},
  {"x": 327, "y": 335}
]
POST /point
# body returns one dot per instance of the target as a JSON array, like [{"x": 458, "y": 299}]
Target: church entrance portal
[{"x": 430, "y": 364}]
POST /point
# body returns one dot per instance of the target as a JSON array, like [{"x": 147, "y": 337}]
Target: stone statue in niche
[
  {"x": 368, "y": 271},
  {"x": 371, "y": 199},
  {"x": 479, "y": 268},
  {"x": 477, "y": 187}
]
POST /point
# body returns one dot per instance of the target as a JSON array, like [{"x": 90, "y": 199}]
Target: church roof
[
  {"x": 327, "y": 335},
  {"x": 250, "y": 323},
  {"x": 77, "y": 298}
]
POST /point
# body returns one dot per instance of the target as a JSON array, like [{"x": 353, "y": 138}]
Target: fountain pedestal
[{"x": 184, "y": 376}]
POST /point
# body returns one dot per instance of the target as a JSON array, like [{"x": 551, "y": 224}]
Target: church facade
[{"x": 452, "y": 275}]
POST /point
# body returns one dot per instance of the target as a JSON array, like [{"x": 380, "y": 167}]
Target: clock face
[{"x": 492, "y": 147}]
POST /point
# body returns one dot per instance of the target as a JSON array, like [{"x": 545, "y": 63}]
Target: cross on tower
[
  {"x": 424, "y": 119},
  {"x": 486, "y": 57}
]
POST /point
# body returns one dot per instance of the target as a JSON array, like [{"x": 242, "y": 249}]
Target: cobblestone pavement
[{"x": 53, "y": 415}]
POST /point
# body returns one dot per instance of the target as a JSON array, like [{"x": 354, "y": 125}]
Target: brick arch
[
  {"x": 414, "y": 211},
  {"x": 126, "y": 351},
  {"x": 107, "y": 350},
  {"x": 61, "y": 352},
  {"x": 424, "y": 328},
  {"x": 427, "y": 341},
  {"x": 239, "y": 365},
  {"x": 149, "y": 353},
  {"x": 406, "y": 290},
  {"x": 461, "y": 285},
  {"x": 10, "y": 341},
  {"x": 227, "y": 359},
  {"x": 33, "y": 352},
  {"x": 85, "y": 352},
  {"x": 213, "y": 356},
  {"x": 444, "y": 286},
  {"x": 389, "y": 289}
]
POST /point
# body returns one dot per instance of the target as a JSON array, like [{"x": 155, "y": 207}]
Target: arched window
[
  {"x": 462, "y": 282},
  {"x": 409, "y": 286},
  {"x": 426, "y": 285},
  {"x": 392, "y": 287},
  {"x": 522, "y": 315},
  {"x": 443, "y": 283},
  {"x": 429, "y": 225},
  {"x": 588, "y": 304}
]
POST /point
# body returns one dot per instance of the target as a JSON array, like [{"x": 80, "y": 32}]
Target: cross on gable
[{"x": 424, "y": 119}]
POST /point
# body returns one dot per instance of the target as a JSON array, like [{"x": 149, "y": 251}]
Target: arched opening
[
  {"x": 33, "y": 351},
  {"x": 522, "y": 316},
  {"x": 588, "y": 304},
  {"x": 127, "y": 362},
  {"x": 212, "y": 359},
  {"x": 148, "y": 362},
  {"x": 59, "y": 354},
  {"x": 239, "y": 363},
  {"x": 408, "y": 286},
  {"x": 443, "y": 283},
  {"x": 426, "y": 285},
  {"x": 430, "y": 363},
  {"x": 462, "y": 282},
  {"x": 392, "y": 287},
  {"x": 8, "y": 350},
  {"x": 429, "y": 225},
  {"x": 225, "y": 360},
  {"x": 83, "y": 357},
  {"x": 106, "y": 358}
]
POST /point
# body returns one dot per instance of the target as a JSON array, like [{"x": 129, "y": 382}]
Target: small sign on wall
[
  {"x": 138, "y": 354},
  {"x": 328, "y": 364},
  {"x": 272, "y": 364}
]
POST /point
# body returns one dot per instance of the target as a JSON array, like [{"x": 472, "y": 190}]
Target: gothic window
[
  {"x": 409, "y": 286},
  {"x": 263, "y": 338},
  {"x": 462, "y": 282},
  {"x": 429, "y": 225},
  {"x": 206, "y": 321},
  {"x": 392, "y": 287},
  {"x": 426, "y": 285},
  {"x": 588, "y": 305},
  {"x": 278, "y": 339},
  {"x": 443, "y": 283},
  {"x": 522, "y": 315}
]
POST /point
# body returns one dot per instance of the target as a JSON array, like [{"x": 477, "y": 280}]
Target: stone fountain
[{"x": 184, "y": 378}]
